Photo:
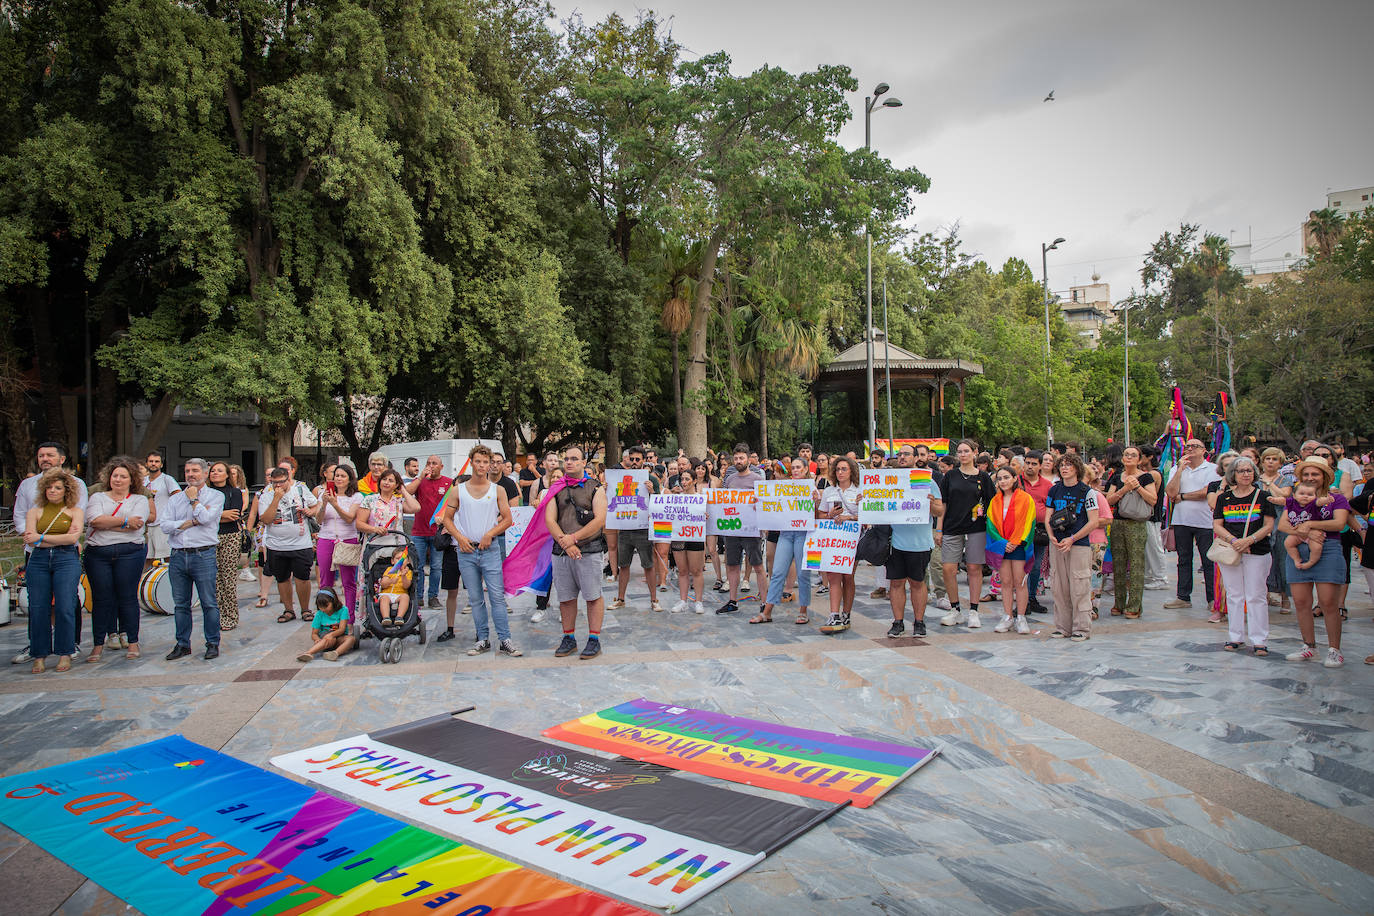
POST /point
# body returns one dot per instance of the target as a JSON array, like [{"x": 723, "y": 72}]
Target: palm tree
[
  {"x": 781, "y": 336},
  {"x": 1325, "y": 227},
  {"x": 677, "y": 263}
]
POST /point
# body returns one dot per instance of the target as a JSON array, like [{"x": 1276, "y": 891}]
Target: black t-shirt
[
  {"x": 966, "y": 498},
  {"x": 1080, "y": 498},
  {"x": 233, "y": 499},
  {"x": 527, "y": 479},
  {"x": 1363, "y": 505},
  {"x": 1234, "y": 511}
]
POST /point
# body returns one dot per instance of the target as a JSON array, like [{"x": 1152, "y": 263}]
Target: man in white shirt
[
  {"x": 161, "y": 488},
  {"x": 192, "y": 527},
  {"x": 50, "y": 455},
  {"x": 1192, "y": 520},
  {"x": 283, "y": 508}
]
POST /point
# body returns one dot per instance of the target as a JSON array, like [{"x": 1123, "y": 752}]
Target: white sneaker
[
  {"x": 537, "y": 616},
  {"x": 1334, "y": 658},
  {"x": 974, "y": 622},
  {"x": 22, "y": 657},
  {"x": 1305, "y": 654},
  {"x": 744, "y": 588},
  {"x": 953, "y": 618},
  {"x": 615, "y": 604},
  {"x": 681, "y": 607},
  {"x": 467, "y": 609},
  {"x": 943, "y": 604},
  {"x": 698, "y": 607},
  {"x": 1004, "y": 626},
  {"x": 1022, "y": 626},
  {"x": 656, "y": 606},
  {"x": 247, "y": 576}
]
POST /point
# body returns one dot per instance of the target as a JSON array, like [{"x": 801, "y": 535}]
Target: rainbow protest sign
[
  {"x": 832, "y": 545},
  {"x": 678, "y": 517},
  {"x": 175, "y": 828},
  {"x": 627, "y": 499},
  {"x": 834, "y": 768},
  {"x": 895, "y": 496}
]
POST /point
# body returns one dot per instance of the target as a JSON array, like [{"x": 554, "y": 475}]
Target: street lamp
[
  {"x": 1045, "y": 279},
  {"x": 871, "y": 102},
  {"x": 1125, "y": 309}
]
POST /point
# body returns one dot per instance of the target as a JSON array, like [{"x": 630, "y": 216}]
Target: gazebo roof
[{"x": 908, "y": 370}]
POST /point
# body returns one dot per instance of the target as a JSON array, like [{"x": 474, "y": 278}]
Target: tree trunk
[
  {"x": 106, "y": 396},
  {"x": 14, "y": 415},
  {"x": 158, "y": 422},
  {"x": 49, "y": 366},
  {"x": 692, "y": 435},
  {"x": 677, "y": 386},
  {"x": 611, "y": 435},
  {"x": 763, "y": 409}
]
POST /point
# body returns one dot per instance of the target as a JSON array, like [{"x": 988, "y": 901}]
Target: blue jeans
[
  {"x": 791, "y": 549},
  {"x": 114, "y": 573},
  {"x": 53, "y": 574},
  {"x": 428, "y": 561},
  {"x": 199, "y": 568},
  {"x": 1033, "y": 569},
  {"x": 1185, "y": 536},
  {"x": 481, "y": 572}
]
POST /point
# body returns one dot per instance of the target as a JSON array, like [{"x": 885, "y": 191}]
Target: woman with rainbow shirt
[{"x": 1011, "y": 518}]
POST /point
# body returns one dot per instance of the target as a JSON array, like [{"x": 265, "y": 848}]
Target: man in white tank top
[{"x": 478, "y": 515}]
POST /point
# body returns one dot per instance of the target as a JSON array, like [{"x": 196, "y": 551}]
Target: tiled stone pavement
[{"x": 1094, "y": 778}]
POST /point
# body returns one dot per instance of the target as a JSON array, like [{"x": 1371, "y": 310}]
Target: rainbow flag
[
  {"x": 813, "y": 559},
  {"x": 663, "y": 529},
  {"x": 400, "y": 561},
  {"x": 1016, "y": 529},
  {"x": 833, "y": 768},
  {"x": 920, "y": 477}
]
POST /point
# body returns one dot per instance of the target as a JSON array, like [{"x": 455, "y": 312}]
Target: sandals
[
  {"x": 64, "y": 663},
  {"x": 1261, "y": 651},
  {"x": 786, "y": 597},
  {"x": 95, "y": 654},
  {"x": 719, "y": 586},
  {"x": 133, "y": 652},
  {"x": 262, "y": 602},
  {"x": 803, "y": 618},
  {"x": 1094, "y": 613},
  {"x": 1344, "y": 614},
  {"x": 1117, "y": 612},
  {"x": 308, "y": 615},
  {"x": 38, "y": 666},
  {"x": 1231, "y": 646},
  {"x": 1130, "y": 615},
  {"x": 287, "y": 616},
  {"x": 765, "y": 615}
]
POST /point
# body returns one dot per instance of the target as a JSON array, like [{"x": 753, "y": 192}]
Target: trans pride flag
[{"x": 1015, "y": 529}]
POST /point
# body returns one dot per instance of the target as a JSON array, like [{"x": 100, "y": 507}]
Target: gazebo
[{"x": 849, "y": 370}]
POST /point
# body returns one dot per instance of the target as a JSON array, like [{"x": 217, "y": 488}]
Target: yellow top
[
  {"x": 53, "y": 519},
  {"x": 402, "y": 584}
]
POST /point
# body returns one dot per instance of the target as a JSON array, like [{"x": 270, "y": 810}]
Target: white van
[{"x": 453, "y": 451}]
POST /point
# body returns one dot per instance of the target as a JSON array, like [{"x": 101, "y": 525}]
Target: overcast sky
[{"x": 1236, "y": 114}]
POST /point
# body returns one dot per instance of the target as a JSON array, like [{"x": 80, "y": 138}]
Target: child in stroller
[{"x": 390, "y": 610}]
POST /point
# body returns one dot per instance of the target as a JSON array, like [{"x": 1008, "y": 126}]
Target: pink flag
[{"x": 533, "y": 556}]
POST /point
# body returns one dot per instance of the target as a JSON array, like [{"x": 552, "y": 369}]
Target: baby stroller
[{"x": 379, "y": 553}]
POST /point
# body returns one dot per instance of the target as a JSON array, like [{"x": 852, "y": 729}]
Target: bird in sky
[{"x": 1050, "y": 97}]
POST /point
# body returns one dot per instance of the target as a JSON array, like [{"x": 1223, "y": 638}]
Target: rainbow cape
[
  {"x": 532, "y": 558},
  {"x": 1017, "y": 529}
]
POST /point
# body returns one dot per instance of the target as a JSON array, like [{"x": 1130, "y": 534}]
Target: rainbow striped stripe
[
  {"x": 1240, "y": 514},
  {"x": 663, "y": 529},
  {"x": 920, "y": 477},
  {"x": 936, "y": 446},
  {"x": 813, "y": 559}
]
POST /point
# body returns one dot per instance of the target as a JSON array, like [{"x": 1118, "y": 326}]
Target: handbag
[
  {"x": 1133, "y": 506},
  {"x": 875, "y": 545},
  {"x": 346, "y": 554},
  {"x": 1222, "y": 553}
]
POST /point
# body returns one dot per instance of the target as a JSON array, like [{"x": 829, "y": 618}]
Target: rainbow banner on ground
[
  {"x": 833, "y": 768},
  {"x": 936, "y": 446},
  {"x": 177, "y": 829}
]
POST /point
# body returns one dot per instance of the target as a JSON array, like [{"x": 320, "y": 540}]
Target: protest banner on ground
[
  {"x": 622, "y": 826},
  {"x": 178, "y": 829},
  {"x": 627, "y": 499},
  {"x": 520, "y": 520},
  {"x": 895, "y": 496},
  {"x": 786, "y": 505},
  {"x": 830, "y": 547},
  {"x": 677, "y": 517},
  {"x": 733, "y": 513},
  {"x": 834, "y": 768}
]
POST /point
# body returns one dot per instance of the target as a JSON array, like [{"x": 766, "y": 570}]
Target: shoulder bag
[
  {"x": 1222, "y": 553},
  {"x": 1133, "y": 506}
]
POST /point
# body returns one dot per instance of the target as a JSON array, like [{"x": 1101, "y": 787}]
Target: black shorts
[
  {"x": 907, "y": 564},
  {"x": 285, "y": 565},
  {"x": 449, "y": 578},
  {"x": 630, "y": 542},
  {"x": 693, "y": 546},
  {"x": 735, "y": 548}
]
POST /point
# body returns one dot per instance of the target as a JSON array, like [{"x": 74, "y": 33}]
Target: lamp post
[
  {"x": 871, "y": 102},
  {"x": 1045, "y": 280},
  {"x": 887, "y": 364},
  {"x": 1126, "y": 370}
]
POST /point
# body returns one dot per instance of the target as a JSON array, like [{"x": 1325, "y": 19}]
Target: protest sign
[
  {"x": 786, "y": 505},
  {"x": 895, "y": 496},
  {"x": 831, "y": 545},
  {"x": 677, "y": 517},
  {"x": 731, "y": 512},
  {"x": 520, "y": 520},
  {"x": 627, "y": 499}
]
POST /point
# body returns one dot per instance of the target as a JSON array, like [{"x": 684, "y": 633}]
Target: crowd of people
[{"x": 1264, "y": 531}]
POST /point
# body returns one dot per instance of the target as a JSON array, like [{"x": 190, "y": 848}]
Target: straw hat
[{"x": 1320, "y": 464}]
